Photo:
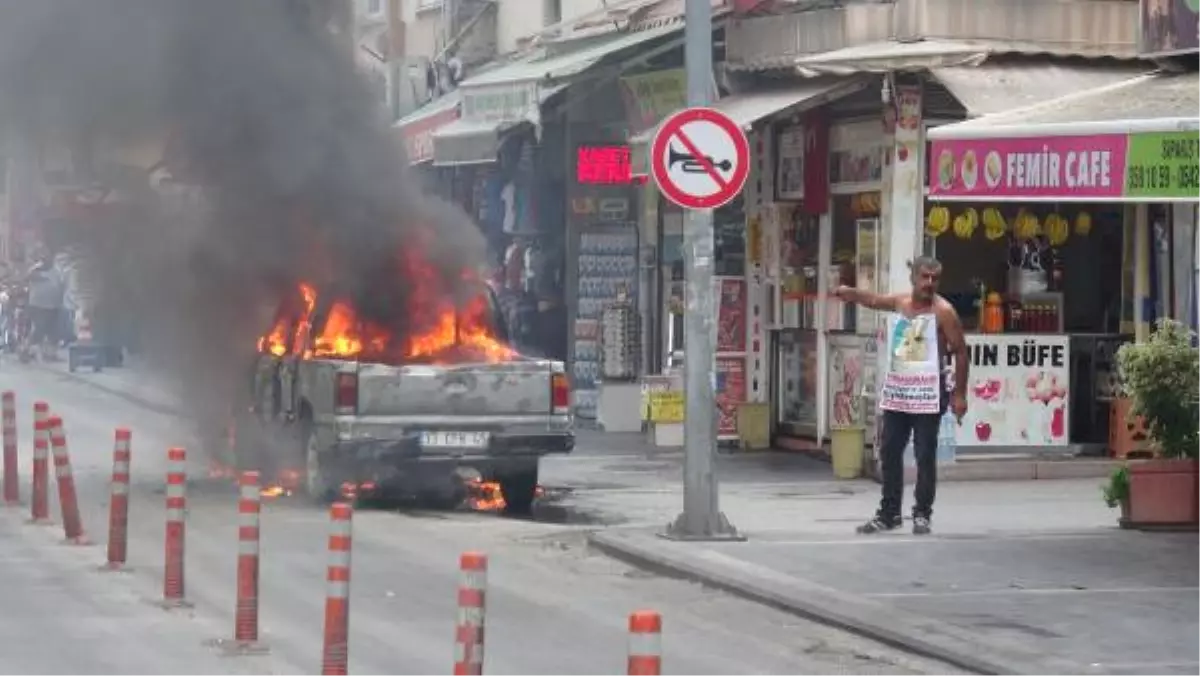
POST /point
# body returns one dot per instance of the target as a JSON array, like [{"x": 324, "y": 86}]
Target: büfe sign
[
  {"x": 1018, "y": 393},
  {"x": 1097, "y": 167}
]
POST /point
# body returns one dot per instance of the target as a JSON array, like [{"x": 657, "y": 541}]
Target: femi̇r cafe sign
[{"x": 1101, "y": 167}]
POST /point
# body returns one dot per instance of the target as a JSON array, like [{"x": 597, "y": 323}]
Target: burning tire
[{"x": 519, "y": 490}]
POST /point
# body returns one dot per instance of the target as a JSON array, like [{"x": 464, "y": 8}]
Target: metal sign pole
[{"x": 701, "y": 518}]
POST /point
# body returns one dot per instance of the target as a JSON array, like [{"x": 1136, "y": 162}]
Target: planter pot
[{"x": 1163, "y": 493}]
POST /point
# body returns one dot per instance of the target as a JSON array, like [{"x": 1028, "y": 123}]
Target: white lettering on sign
[{"x": 1049, "y": 169}]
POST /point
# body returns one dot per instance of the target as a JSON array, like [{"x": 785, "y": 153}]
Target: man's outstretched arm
[{"x": 874, "y": 301}]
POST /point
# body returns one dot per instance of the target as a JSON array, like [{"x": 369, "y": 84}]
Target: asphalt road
[{"x": 553, "y": 605}]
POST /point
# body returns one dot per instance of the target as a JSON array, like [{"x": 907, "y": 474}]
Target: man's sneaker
[
  {"x": 880, "y": 524},
  {"x": 921, "y": 525}
]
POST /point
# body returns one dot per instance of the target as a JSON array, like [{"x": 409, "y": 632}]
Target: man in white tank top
[{"x": 924, "y": 332}]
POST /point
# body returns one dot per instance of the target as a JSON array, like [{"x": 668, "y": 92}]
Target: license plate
[{"x": 455, "y": 439}]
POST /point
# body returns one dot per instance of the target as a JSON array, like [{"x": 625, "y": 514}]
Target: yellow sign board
[{"x": 666, "y": 407}]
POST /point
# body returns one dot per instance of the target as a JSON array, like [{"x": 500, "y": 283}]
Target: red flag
[{"x": 816, "y": 163}]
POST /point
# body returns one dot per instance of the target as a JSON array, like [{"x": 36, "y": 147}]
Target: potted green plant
[
  {"x": 1116, "y": 493},
  {"x": 1162, "y": 377}
]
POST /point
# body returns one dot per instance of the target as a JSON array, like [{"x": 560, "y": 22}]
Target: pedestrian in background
[{"x": 45, "y": 307}]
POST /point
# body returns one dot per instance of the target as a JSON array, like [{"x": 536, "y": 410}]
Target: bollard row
[
  {"x": 50, "y": 441},
  {"x": 336, "y": 650},
  {"x": 67, "y": 498},
  {"x": 39, "y": 506},
  {"x": 118, "y": 503},
  {"x": 12, "y": 480},
  {"x": 173, "y": 581},
  {"x": 468, "y": 632}
]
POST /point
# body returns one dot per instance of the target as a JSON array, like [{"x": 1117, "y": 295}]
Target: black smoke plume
[{"x": 259, "y": 104}]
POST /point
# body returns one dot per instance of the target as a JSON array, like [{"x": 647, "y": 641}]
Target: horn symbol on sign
[{"x": 692, "y": 164}]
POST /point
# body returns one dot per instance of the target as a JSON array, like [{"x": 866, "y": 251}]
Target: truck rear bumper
[
  {"x": 395, "y": 461},
  {"x": 408, "y": 448}
]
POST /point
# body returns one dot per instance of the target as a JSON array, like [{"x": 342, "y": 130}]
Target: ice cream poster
[
  {"x": 1018, "y": 391},
  {"x": 912, "y": 383}
]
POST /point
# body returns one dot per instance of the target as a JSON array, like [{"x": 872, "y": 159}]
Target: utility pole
[{"x": 701, "y": 518}]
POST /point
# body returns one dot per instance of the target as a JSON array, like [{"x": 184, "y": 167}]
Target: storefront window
[
  {"x": 799, "y": 260},
  {"x": 855, "y": 256},
  {"x": 1059, "y": 259},
  {"x": 1038, "y": 291},
  {"x": 796, "y": 381}
]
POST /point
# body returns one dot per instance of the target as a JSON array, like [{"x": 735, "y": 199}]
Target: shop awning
[
  {"x": 751, "y": 107},
  {"x": 748, "y": 108},
  {"x": 417, "y": 128},
  {"x": 470, "y": 142},
  {"x": 549, "y": 68},
  {"x": 1001, "y": 85},
  {"x": 475, "y": 141},
  {"x": 1134, "y": 141},
  {"x": 1154, "y": 102},
  {"x": 887, "y": 56}
]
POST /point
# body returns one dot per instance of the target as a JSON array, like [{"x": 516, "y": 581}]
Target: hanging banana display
[
  {"x": 1083, "y": 223},
  {"x": 1026, "y": 225},
  {"x": 994, "y": 225},
  {"x": 938, "y": 221},
  {"x": 965, "y": 224},
  {"x": 1057, "y": 229}
]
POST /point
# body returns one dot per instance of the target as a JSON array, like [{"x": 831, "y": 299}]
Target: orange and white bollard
[
  {"x": 173, "y": 588},
  {"x": 12, "y": 485},
  {"x": 118, "y": 504},
  {"x": 468, "y": 632},
  {"x": 335, "y": 656},
  {"x": 245, "y": 629},
  {"x": 645, "y": 643},
  {"x": 39, "y": 506},
  {"x": 67, "y": 498}
]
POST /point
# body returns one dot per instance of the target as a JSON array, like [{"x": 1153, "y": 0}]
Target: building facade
[{"x": 838, "y": 102}]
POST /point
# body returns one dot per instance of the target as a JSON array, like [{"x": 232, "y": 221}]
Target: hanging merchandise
[
  {"x": 1057, "y": 229},
  {"x": 965, "y": 224},
  {"x": 1083, "y": 223},
  {"x": 607, "y": 273},
  {"x": 994, "y": 226},
  {"x": 1026, "y": 225},
  {"x": 620, "y": 341},
  {"x": 938, "y": 221}
]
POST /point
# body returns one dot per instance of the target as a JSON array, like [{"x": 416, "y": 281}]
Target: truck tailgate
[{"x": 507, "y": 388}]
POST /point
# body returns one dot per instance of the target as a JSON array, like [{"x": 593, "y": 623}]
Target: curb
[
  {"x": 157, "y": 407},
  {"x": 910, "y": 632}
]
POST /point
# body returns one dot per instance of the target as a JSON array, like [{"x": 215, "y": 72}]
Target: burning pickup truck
[{"x": 361, "y": 406}]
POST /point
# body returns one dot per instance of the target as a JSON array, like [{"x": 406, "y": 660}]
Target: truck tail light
[
  {"x": 560, "y": 394},
  {"x": 345, "y": 400}
]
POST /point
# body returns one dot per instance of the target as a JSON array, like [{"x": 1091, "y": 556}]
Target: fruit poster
[
  {"x": 731, "y": 393},
  {"x": 1018, "y": 393}
]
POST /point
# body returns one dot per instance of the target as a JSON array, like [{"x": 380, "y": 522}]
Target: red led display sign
[{"x": 610, "y": 165}]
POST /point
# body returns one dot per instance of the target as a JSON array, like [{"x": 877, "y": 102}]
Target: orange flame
[
  {"x": 454, "y": 333},
  {"x": 485, "y": 496}
]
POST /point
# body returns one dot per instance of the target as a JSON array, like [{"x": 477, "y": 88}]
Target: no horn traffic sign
[{"x": 700, "y": 158}]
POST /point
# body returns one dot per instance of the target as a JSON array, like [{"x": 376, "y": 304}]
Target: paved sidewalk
[
  {"x": 134, "y": 382},
  {"x": 1021, "y": 577}
]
